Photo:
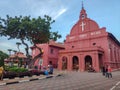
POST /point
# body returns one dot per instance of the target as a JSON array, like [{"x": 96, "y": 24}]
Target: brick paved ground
[{"x": 70, "y": 81}]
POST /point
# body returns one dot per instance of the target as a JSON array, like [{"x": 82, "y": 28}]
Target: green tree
[
  {"x": 2, "y": 57},
  {"x": 55, "y": 36},
  {"x": 34, "y": 30}
]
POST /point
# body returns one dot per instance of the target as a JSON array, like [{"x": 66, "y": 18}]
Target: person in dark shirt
[
  {"x": 106, "y": 71},
  {"x": 50, "y": 69},
  {"x": 103, "y": 71}
]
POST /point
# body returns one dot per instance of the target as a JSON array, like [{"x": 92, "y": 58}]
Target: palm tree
[
  {"x": 9, "y": 51},
  {"x": 10, "y": 63},
  {"x": 14, "y": 51},
  {"x": 18, "y": 44},
  {"x": 15, "y": 56}
]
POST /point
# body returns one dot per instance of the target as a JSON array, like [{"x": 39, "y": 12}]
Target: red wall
[{"x": 47, "y": 55}]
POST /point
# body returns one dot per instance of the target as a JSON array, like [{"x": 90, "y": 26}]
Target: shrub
[{"x": 16, "y": 69}]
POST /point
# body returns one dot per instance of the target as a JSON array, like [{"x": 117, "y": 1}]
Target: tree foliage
[
  {"x": 2, "y": 57},
  {"x": 35, "y": 30}
]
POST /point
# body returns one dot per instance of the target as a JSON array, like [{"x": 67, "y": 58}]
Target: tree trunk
[
  {"x": 36, "y": 57},
  {"x": 27, "y": 48}
]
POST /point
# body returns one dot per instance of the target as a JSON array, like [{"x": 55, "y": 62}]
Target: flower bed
[
  {"x": 12, "y": 75},
  {"x": 13, "y": 72}
]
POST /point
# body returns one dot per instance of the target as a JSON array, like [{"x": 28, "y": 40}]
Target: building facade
[
  {"x": 16, "y": 58},
  {"x": 88, "y": 44},
  {"x": 50, "y": 54}
]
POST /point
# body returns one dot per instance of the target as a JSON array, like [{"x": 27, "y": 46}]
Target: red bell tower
[{"x": 83, "y": 14}]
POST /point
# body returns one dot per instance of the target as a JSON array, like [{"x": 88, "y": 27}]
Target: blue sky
[{"x": 65, "y": 13}]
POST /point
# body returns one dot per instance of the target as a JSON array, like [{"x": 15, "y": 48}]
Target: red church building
[{"x": 88, "y": 44}]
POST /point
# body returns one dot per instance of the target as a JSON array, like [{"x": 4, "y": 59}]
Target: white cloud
[
  {"x": 52, "y": 8},
  {"x": 8, "y": 44},
  {"x": 59, "y": 13},
  {"x": 34, "y": 8},
  {"x": 4, "y": 46}
]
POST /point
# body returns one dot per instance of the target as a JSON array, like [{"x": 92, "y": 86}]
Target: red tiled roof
[
  {"x": 57, "y": 45},
  {"x": 19, "y": 55},
  {"x": 53, "y": 43}
]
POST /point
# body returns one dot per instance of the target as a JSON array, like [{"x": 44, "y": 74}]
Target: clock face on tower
[{"x": 83, "y": 16}]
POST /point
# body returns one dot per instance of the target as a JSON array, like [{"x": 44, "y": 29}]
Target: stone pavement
[{"x": 70, "y": 81}]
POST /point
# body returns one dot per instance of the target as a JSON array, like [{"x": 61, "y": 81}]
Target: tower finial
[{"x": 82, "y": 5}]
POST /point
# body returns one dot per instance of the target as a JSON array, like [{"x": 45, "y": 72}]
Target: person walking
[
  {"x": 109, "y": 72},
  {"x": 106, "y": 71},
  {"x": 103, "y": 71}
]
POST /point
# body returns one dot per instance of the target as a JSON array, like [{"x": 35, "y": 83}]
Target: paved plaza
[{"x": 70, "y": 81}]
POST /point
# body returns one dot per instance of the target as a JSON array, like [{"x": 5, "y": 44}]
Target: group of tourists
[
  {"x": 107, "y": 71},
  {"x": 48, "y": 70}
]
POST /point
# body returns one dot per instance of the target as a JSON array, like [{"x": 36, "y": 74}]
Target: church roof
[{"x": 113, "y": 37}]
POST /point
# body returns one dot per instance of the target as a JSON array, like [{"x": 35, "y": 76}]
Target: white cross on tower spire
[{"x": 82, "y": 25}]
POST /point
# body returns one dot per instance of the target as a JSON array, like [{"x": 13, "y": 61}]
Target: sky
[{"x": 65, "y": 13}]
